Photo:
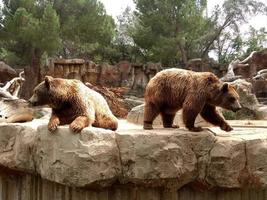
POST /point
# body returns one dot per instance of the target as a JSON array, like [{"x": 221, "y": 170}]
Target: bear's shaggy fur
[
  {"x": 73, "y": 103},
  {"x": 194, "y": 92}
]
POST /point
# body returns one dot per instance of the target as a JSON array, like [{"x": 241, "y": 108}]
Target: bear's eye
[{"x": 231, "y": 99}]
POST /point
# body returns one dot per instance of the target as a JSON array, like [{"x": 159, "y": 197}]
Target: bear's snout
[
  {"x": 236, "y": 107},
  {"x": 32, "y": 101}
]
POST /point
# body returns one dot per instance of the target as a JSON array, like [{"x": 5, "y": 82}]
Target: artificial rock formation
[
  {"x": 6, "y": 72},
  {"x": 206, "y": 65},
  {"x": 168, "y": 158},
  {"x": 250, "y": 105},
  {"x": 122, "y": 74},
  {"x": 162, "y": 164}
]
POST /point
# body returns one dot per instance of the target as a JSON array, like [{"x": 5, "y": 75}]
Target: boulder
[
  {"x": 250, "y": 105},
  {"x": 91, "y": 157},
  {"x": 6, "y": 72},
  {"x": 247, "y": 98},
  {"x": 156, "y": 158}
]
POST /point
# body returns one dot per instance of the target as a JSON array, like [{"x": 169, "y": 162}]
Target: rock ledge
[{"x": 168, "y": 158}]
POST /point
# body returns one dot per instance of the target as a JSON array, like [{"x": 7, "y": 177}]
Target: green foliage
[
  {"x": 167, "y": 31},
  {"x": 256, "y": 40},
  {"x": 72, "y": 28},
  {"x": 243, "y": 114},
  {"x": 170, "y": 31},
  {"x": 26, "y": 33},
  {"x": 230, "y": 46},
  {"x": 10, "y": 57},
  {"x": 230, "y": 43},
  {"x": 175, "y": 31},
  {"x": 86, "y": 29},
  {"x": 228, "y": 115},
  {"x": 123, "y": 44}
]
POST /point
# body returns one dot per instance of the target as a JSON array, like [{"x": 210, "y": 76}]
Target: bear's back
[
  {"x": 172, "y": 86},
  {"x": 168, "y": 81},
  {"x": 92, "y": 98}
]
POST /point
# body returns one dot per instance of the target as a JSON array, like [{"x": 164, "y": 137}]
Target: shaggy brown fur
[
  {"x": 73, "y": 103},
  {"x": 194, "y": 92}
]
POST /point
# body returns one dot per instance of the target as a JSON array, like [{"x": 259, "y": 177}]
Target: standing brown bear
[
  {"x": 73, "y": 103},
  {"x": 194, "y": 92}
]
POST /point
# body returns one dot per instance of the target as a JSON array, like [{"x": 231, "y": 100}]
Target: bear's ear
[
  {"x": 224, "y": 87},
  {"x": 48, "y": 80},
  {"x": 235, "y": 87}
]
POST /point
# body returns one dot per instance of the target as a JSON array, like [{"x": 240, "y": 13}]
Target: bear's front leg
[
  {"x": 53, "y": 123},
  {"x": 211, "y": 115},
  {"x": 226, "y": 127},
  {"x": 79, "y": 124}
]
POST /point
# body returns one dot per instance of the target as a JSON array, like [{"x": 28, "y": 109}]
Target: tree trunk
[
  {"x": 183, "y": 54},
  {"x": 32, "y": 75}
]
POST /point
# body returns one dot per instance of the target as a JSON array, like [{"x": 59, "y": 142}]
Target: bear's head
[
  {"x": 228, "y": 98},
  {"x": 52, "y": 92}
]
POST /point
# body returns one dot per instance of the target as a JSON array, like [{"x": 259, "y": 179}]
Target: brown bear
[
  {"x": 73, "y": 103},
  {"x": 194, "y": 92}
]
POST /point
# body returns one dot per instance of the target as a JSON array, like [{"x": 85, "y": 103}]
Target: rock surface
[
  {"x": 169, "y": 158},
  {"x": 250, "y": 105},
  {"x": 6, "y": 72}
]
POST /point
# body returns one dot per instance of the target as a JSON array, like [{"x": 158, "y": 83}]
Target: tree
[
  {"x": 232, "y": 45},
  {"x": 86, "y": 29},
  {"x": 72, "y": 28},
  {"x": 170, "y": 31},
  {"x": 28, "y": 30},
  {"x": 173, "y": 31},
  {"x": 227, "y": 38},
  {"x": 228, "y": 47},
  {"x": 123, "y": 44},
  {"x": 256, "y": 40}
]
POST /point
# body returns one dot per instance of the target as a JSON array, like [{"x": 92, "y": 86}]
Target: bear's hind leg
[
  {"x": 106, "y": 122},
  {"x": 167, "y": 120},
  {"x": 150, "y": 113},
  {"x": 79, "y": 124}
]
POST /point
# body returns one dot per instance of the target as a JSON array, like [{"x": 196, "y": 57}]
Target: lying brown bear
[
  {"x": 73, "y": 103},
  {"x": 195, "y": 92}
]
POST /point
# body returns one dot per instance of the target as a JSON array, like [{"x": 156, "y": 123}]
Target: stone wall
[
  {"x": 123, "y": 74},
  {"x": 206, "y": 65},
  {"x": 131, "y": 163},
  {"x": 17, "y": 186},
  {"x": 257, "y": 61}
]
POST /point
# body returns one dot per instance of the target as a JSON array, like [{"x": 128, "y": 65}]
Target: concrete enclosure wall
[{"x": 29, "y": 187}]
